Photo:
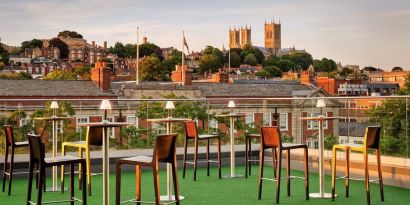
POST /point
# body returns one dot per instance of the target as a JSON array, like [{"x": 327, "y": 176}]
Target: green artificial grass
[{"x": 214, "y": 191}]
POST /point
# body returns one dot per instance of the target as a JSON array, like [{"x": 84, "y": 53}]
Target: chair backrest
[
  {"x": 190, "y": 129},
  {"x": 164, "y": 149},
  {"x": 8, "y": 133},
  {"x": 270, "y": 137},
  {"x": 372, "y": 137},
  {"x": 37, "y": 152},
  {"x": 94, "y": 136}
]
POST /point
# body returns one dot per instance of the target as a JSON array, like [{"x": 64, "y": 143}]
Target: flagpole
[
  {"x": 229, "y": 64},
  {"x": 182, "y": 68},
  {"x": 138, "y": 54}
]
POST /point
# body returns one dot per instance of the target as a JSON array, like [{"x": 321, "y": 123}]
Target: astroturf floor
[{"x": 214, "y": 191}]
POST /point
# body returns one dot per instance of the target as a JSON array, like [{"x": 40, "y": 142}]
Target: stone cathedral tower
[
  {"x": 234, "y": 38},
  {"x": 246, "y": 36},
  {"x": 273, "y": 36}
]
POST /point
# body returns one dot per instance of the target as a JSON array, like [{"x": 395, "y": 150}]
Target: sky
[{"x": 359, "y": 32}]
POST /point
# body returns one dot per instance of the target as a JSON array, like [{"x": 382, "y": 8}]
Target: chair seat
[
  {"x": 293, "y": 146},
  {"x": 62, "y": 159},
  {"x": 136, "y": 160},
  {"x": 351, "y": 146},
  {"x": 75, "y": 144},
  {"x": 207, "y": 136},
  {"x": 21, "y": 144}
]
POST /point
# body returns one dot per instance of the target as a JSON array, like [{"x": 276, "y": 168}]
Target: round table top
[
  {"x": 168, "y": 119},
  {"x": 52, "y": 118},
  {"x": 231, "y": 115},
  {"x": 105, "y": 124}
]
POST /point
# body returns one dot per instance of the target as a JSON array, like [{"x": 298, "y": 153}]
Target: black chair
[
  {"x": 191, "y": 132},
  {"x": 270, "y": 139},
  {"x": 10, "y": 144},
  {"x": 37, "y": 157},
  {"x": 164, "y": 151}
]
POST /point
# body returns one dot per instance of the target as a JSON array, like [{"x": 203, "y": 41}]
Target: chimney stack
[
  {"x": 93, "y": 43},
  {"x": 101, "y": 75},
  {"x": 105, "y": 44},
  {"x": 144, "y": 40}
]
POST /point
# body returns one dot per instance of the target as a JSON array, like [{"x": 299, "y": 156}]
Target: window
[
  {"x": 132, "y": 119},
  {"x": 213, "y": 124},
  {"x": 81, "y": 120},
  {"x": 23, "y": 121},
  {"x": 111, "y": 133},
  {"x": 283, "y": 121},
  {"x": 249, "y": 118},
  {"x": 266, "y": 119},
  {"x": 59, "y": 125},
  {"x": 314, "y": 124}
]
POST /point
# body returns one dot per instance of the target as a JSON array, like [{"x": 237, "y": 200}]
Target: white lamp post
[
  {"x": 231, "y": 105},
  {"x": 170, "y": 106},
  {"x": 105, "y": 105},
  {"x": 54, "y": 106},
  {"x": 321, "y": 104}
]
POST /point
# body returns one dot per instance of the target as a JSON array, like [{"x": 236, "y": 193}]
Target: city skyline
[{"x": 364, "y": 32}]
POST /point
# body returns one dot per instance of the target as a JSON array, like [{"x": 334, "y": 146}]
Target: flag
[{"x": 186, "y": 44}]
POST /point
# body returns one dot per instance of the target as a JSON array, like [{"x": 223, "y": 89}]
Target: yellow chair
[
  {"x": 371, "y": 141},
  {"x": 93, "y": 138}
]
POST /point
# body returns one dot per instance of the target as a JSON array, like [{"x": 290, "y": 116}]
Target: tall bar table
[
  {"x": 106, "y": 159},
  {"x": 169, "y": 121},
  {"x": 232, "y": 117},
  {"x": 53, "y": 120},
  {"x": 321, "y": 194}
]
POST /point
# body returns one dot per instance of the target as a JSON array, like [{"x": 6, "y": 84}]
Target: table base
[
  {"x": 166, "y": 198},
  {"x": 58, "y": 189},
  {"x": 233, "y": 176},
  {"x": 318, "y": 195}
]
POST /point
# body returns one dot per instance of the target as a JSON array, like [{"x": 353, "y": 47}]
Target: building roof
[
  {"x": 355, "y": 129},
  {"x": 51, "y": 88}
]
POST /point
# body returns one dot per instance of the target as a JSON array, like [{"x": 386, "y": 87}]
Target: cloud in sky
[{"x": 364, "y": 32}]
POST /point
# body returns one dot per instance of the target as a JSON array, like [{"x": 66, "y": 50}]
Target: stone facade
[{"x": 273, "y": 36}]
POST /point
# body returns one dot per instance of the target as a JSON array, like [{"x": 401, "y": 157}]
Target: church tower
[
  {"x": 245, "y": 36},
  {"x": 273, "y": 37},
  {"x": 234, "y": 38}
]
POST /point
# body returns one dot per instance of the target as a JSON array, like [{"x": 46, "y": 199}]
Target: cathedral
[{"x": 239, "y": 37}]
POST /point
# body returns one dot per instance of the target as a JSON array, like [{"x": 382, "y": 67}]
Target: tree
[
  {"x": 397, "y": 69},
  {"x": 34, "y": 43},
  {"x": 250, "y": 59},
  {"x": 4, "y": 56},
  {"x": 285, "y": 65},
  {"x": 69, "y": 34},
  {"x": 248, "y": 49},
  {"x": 83, "y": 73},
  {"x": 151, "y": 69},
  {"x": 209, "y": 50},
  {"x": 324, "y": 65},
  {"x": 148, "y": 49},
  {"x": 209, "y": 62},
  {"x": 119, "y": 50},
  {"x": 60, "y": 75},
  {"x": 263, "y": 73},
  {"x": 345, "y": 72},
  {"x": 1, "y": 66},
  {"x": 16, "y": 76},
  {"x": 235, "y": 59},
  {"x": 175, "y": 58},
  {"x": 272, "y": 60},
  {"x": 56, "y": 42},
  {"x": 274, "y": 71},
  {"x": 369, "y": 69},
  {"x": 302, "y": 60}
]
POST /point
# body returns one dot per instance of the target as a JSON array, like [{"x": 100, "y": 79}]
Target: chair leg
[
  {"x": 42, "y": 179},
  {"x": 80, "y": 173},
  {"x": 156, "y": 184},
  {"x": 195, "y": 158},
  {"x": 306, "y": 173},
  {"x": 184, "y": 160},
  {"x": 366, "y": 176},
  {"x": 118, "y": 184},
  {"x": 5, "y": 166},
  {"x": 379, "y": 169},
  {"x": 347, "y": 183},
  {"x": 30, "y": 182},
  {"x": 274, "y": 161},
  {"x": 333, "y": 173},
  {"x": 62, "y": 169},
  {"x": 288, "y": 172},
  {"x": 11, "y": 167},
  {"x": 84, "y": 189},
  {"x": 175, "y": 180},
  {"x": 261, "y": 163},
  {"x": 250, "y": 156},
  {"x": 219, "y": 158},
  {"x": 207, "y": 157},
  {"x": 138, "y": 183},
  {"x": 72, "y": 183},
  {"x": 88, "y": 162},
  {"x": 279, "y": 170},
  {"x": 246, "y": 156}
]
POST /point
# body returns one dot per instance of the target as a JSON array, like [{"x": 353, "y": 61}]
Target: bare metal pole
[
  {"x": 182, "y": 67},
  {"x": 138, "y": 54},
  {"x": 229, "y": 64}
]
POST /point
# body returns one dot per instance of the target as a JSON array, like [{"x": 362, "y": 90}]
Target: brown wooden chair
[
  {"x": 270, "y": 139},
  {"x": 94, "y": 137},
  {"x": 164, "y": 151},
  {"x": 248, "y": 154},
  {"x": 12, "y": 145},
  {"x": 191, "y": 132},
  {"x": 37, "y": 157},
  {"x": 371, "y": 141}
]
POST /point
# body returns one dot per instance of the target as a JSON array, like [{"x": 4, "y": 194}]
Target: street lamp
[
  {"x": 54, "y": 106},
  {"x": 321, "y": 104},
  {"x": 231, "y": 105},
  {"x": 170, "y": 106}
]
